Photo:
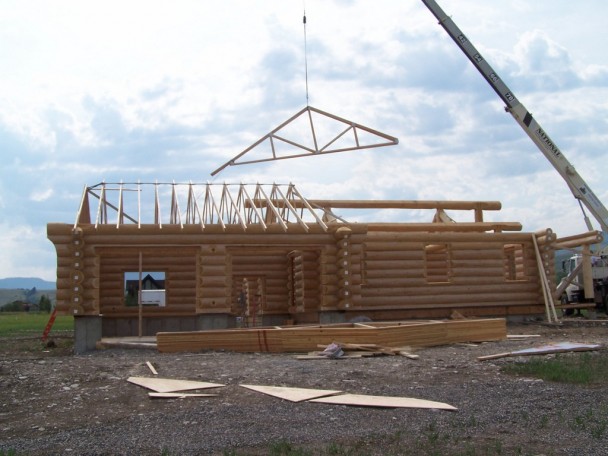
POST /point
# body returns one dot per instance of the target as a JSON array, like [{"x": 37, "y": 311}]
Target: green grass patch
[
  {"x": 574, "y": 368},
  {"x": 31, "y": 323}
]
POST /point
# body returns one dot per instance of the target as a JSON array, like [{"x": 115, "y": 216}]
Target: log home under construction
[{"x": 143, "y": 258}]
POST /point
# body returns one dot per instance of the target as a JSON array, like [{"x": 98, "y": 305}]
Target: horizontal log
[
  {"x": 165, "y": 239},
  {"x": 210, "y": 302},
  {"x": 214, "y": 292},
  {"x": 238, "y": 260},
  {"x": 214, "y": 261},
  {"x": 173, "y": 293},
  {"x": 585, "y": 235},
  {"x": 215, "y": 249},
  {"x": 497, "y": 271},
  {"x": 546, "y": 240},
  {"x": 394, "y": 254},
  {"x": 479, "y": 264},
  {"x": 444, "y": 301},
  {"x": 371, "y": 265},
  {"x": 407, "y": 204},
  {"x": 330, "y": 289},
  {"x": 394, "y": 273},
  {"x": 214, "y": 281},
  {"x": 280, "y": 291},
  {"x": 182, "y": 282},
  {"x": 577, "y": 243},
  {"x": 490, "y": 238},
  {"x": 380, "y": 245},
  {"x": 470, "y": 291},
  {"x": 445, "y": 227},
  {"x": 276, "y": 270}
]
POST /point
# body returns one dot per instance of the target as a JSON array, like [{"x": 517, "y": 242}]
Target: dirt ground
[{"x": 54, "y": 402}]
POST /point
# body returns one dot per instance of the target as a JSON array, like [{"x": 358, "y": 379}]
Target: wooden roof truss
[
  {"x": 197, "y": 204},
  {"x": 246, "y": 205},
  {"x": 311, "y": 132}
]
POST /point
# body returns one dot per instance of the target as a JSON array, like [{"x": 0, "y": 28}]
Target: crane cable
[{"x": 305, "y": 56}]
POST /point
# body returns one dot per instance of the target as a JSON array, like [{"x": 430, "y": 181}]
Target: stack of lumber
[{"x": 303, "y": 339}]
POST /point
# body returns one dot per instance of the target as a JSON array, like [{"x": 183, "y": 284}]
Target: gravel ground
[{"x": 54, "y": 402}]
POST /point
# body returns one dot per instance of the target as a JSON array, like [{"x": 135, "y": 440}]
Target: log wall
[
  {"x": 437, "y": 273},
  {"x": 384, "y": 274}
]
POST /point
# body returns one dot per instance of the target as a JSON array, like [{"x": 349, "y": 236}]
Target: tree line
[{"x": 44, "y": 304}]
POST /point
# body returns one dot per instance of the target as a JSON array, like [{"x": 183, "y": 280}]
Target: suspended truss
[
  {"x": 196, "y": 204},
  {"x": 327, "y": 134}
]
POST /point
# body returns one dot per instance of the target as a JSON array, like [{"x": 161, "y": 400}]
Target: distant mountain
[{"x": 27, "y": 283}]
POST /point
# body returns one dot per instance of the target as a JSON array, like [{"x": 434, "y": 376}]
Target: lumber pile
[{"x": 303, "y": 339}]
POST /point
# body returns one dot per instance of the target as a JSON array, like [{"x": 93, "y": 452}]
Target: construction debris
[
  {"x": 151, "y": 367},
  {"x": 383, "y": 401},
  {"x": 177, "y": 395},
  {"x": 340, "y": 398},
  {"x": 291, "y": 394},
  {"x": 168, "y": 385},
  {"x": 560, "y": 347},
  {"x": 337, "y": 350},
  {"x": 333, "y": 350}
]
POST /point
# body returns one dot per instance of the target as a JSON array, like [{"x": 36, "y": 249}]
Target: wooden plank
[
  {"x": 347, "y": 355},
  {"x": 151, "y": 367},
  {"x": 290, "y": 393},
  {"x": 179, "y": 395},
  {"x": 561, "y": 347},
  {"x": 169, "y": 385},
  {"x": 383, "y": 401},
  {"x": 521, "y": 336}
]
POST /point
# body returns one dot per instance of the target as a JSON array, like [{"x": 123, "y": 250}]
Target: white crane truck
[{"x": 575, "y": 291}]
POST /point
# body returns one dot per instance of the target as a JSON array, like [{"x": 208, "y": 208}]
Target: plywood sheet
[
  {"x": 168, "y": 385},
  {"x": 383, "y": 401},
  {"x": 178, "y": 395},
  {"x": 291, "y": 394}
]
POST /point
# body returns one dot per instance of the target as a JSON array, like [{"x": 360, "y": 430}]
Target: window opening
[
  {"x": 153, "y": 292},
  {"x": 514, "y": 262},
  {"x": 437, "y": 263}
]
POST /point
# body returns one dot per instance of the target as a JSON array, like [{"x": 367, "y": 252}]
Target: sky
[{"x": 169, "y": 91}]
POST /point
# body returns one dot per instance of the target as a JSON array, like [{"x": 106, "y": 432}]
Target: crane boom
[{"x": 522, "y": 116}]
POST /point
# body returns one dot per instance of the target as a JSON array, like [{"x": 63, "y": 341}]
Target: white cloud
[
  {"x": 41, "y": 195},
  {"x": 26, "y": 252},
  {"x": 171, "y": 92}
]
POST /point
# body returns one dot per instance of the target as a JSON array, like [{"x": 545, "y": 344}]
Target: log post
[{"x": 344, "y": 265}]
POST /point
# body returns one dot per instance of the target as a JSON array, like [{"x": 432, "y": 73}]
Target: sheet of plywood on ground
[
  {"x": 290, "y": 393},
  {"x": 307, "y": 338},
  {"x": 179, "y": 395},
  {"x": 383, "y": 401},
  {"x": 169, "y": 385}
]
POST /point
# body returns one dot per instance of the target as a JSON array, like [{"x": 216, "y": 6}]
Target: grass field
[{"x": 31, "y": 323}]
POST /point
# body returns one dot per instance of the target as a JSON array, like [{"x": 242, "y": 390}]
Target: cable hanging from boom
[{"x": 305, "y": 56}]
